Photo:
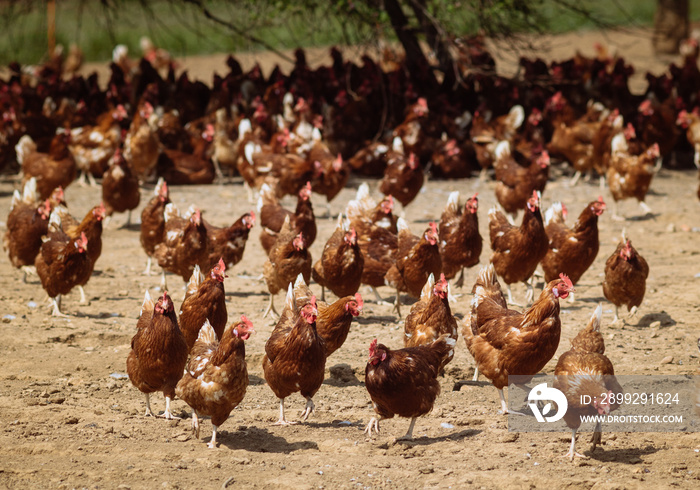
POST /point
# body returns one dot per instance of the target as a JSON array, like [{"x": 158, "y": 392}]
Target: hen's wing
[
  {"x": 500, "y": 229},
  {"x": 284, "y": 326}
]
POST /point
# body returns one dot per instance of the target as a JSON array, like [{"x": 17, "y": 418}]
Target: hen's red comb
[
  {"x": 221, "y": 265},
  {"x": 359, "y": 301},
  {"x": 566, "y": 280},
  {"x": 372, "y": 347},
  {"x": 246, "y": 322}
]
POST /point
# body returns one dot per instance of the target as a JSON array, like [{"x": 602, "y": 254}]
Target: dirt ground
[{"x": 69, "y": 417}]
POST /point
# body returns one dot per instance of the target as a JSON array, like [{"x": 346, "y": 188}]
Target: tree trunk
[
  {"x": 416, "y": 62},
  {"x": 670, "y": 25},
  {"x": 436, "y": 42}
]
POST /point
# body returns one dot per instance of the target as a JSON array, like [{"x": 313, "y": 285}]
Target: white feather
[
  {"x": 147, "y": 303},
  {"x": 502, "y": 149},
  {"x": 402, "y": 225},
  {"x": 427, "y": 290},
  {"x": 159, "y": 186},
  {"x": 244, "y": 127},
  {"x": 516, "y": 116},
  {"x": 250, "y": 149},
  {"x": 29, "y": 194},
  {"x": 289, "y": 299},
  {"x": 619, "y": 144},
  {"x": 299, "y": 281},
  {"x": 597, "y": 316},
  {"x": 171, "y": 211},
  {"x": 207, "y": 333},
  {"x": 16, "y": 198},
  {"x": 453, "y": 200},
  {"x": 554, "y": 210}
]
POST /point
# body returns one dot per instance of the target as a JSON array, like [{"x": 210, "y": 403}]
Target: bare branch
[{"x": 209, "y": 15}]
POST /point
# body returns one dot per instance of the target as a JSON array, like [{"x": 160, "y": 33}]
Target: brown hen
[
  {"x": 158, "y": 352},
  {"x": 504, "y": 342},
  {"x": 431, "y": 317},
  {"x": 626, "y": 274},
  {"x": 295, "y": 355},
  {"x": 340, "y": 266},
  {"x": 460, "y": 240},
  {"x": 205, "y": 300},
  {"x": 584, "y": 371},
  {"x": 572, "y": 250},
  {"x": 518, "y": 250},
  {"x": 416, "y": 258},
  {"x": 404, "y": 382},
  {"x": 216, "y": 377},
  {"x": 288, "y": 258}
]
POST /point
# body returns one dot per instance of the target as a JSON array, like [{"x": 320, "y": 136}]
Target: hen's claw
[
  {"x": 309, "y": 409},
  {"x": 573, "y": 454},
  {"x": 373, "y": 424},
  {"x": 167, "y": 414}
]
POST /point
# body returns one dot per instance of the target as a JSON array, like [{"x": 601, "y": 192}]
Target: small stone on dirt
[{"x": 510, "y": 437}]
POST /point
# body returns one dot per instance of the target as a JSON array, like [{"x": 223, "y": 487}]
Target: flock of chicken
[{"x": 306, "y": 132}]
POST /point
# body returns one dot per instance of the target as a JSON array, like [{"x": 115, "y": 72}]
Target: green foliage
[{"x": 180, "y": 26}]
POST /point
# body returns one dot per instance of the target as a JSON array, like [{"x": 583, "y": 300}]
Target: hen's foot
[
  {"x": 195, "y": 424},
  {"x": 573, "y": 454},
  {"x": 308, "y": 410},
  {"x": 57, "y": 308},
  {"x": 212, "y": 443},
  {"x": 459, "y": 283},
  {"x": 373, "y": 425},
  {"x": 168, "y": 415}
]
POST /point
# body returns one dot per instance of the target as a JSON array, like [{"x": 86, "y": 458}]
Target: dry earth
[{"x": 69, "y": 418}]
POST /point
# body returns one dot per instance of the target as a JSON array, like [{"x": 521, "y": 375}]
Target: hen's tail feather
[
  {"x": 29, "y": 194},
  {"x": 195, "y": 281},
  {"x": 362, "y": 191},
  {"x": 428, "y": 287},
  {"x": 453, "y": 201},
  {"x": 159, "y": 186},
  {"x": 596, "y": 318},
  {"x": 207, "y": 333},
  {"x": 171, "y": 211},
  {"x": 55, "y": 220},
  {"x": 16, "y": 198},
  {"x": 267, "y": 196},
  {"x": 361, "y": 205},
  {"x": 555, "y": 212},
  {"x": 444, "y": 347},
  {"x": 487, "y": 290},
  {"x": 147, "y": 303},
  {"x": 302, "y": 292},
  {"x": 486, "y": 277}
]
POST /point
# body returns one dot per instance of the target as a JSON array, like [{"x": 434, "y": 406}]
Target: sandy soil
[{"x": 69, "y": 418}]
